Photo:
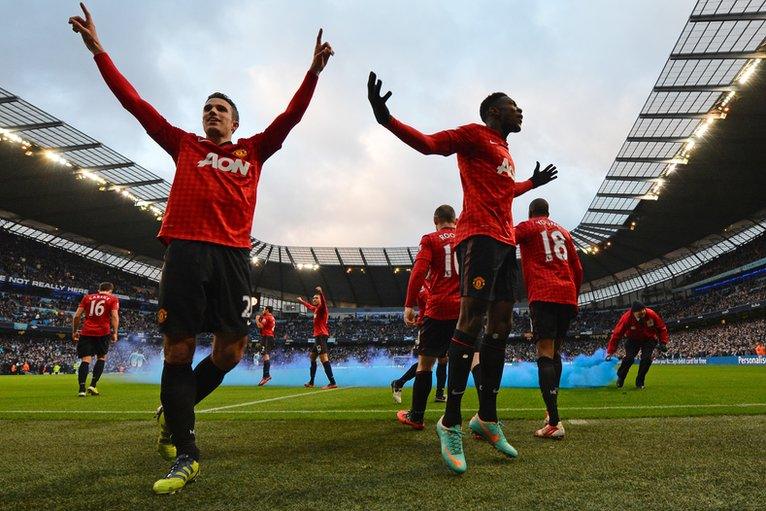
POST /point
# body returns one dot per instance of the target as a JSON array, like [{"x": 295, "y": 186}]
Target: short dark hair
[
  {"x": 637, "y": 306},
  {"x": 539, "y": 207},
  {"x": 488, "y": 103},
  {"x": 445, "y": 213},
  {"x": 221, "y": 95},
  {"x": 106, "y": 286},
  {"x": 267, "y": 308}
]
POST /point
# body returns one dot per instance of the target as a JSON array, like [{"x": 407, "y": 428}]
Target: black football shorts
[
  {"x": 435, "y": 336},
  {"x": 320, "y": 345},
  {"x": 89, "y": 345},
  {"x": 550, "y": 320},
  {"x": 204, "y": 287},
  {"x": 267, "y": 344},
  {"x": 488, "y": 269}
]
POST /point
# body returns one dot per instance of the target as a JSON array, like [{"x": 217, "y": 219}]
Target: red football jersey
[
  {"x": 650, "y": 327},
  {"x": 436, "y": 261},
  {"x": 213, "y": 195},
  {"x": 98, "y": 309},
  {"x": 487, "y": 173},
  {"x": 549, "y": 260},
  {"x": 321, "y": 316},
  {"x": 268, "y": 322}
]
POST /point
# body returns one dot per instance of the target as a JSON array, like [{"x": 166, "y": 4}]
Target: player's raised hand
[
  {"x": 378, "y": 102},
  {"x": 409, "y": 316},
  {"x": 318, "y": 289},
  {"x": 322, "y": 53},
  {"x": 87, "y": 29},
  {"x": 545, "y": 176}
]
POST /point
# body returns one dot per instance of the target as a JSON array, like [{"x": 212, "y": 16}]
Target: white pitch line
[
  {"x": 647, "y": 407},
  {"x": 215, "y": 410},
  {"x": 279, "y": 398}
]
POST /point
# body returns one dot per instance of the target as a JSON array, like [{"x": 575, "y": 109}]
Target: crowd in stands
[
  {"x": 45, "y": 311},
  {"x": 752, "y": 251},
  {"x": 722, "y": 339},
  {"x": 361, "y": 337},
  {"x": 29, "y": 259}
]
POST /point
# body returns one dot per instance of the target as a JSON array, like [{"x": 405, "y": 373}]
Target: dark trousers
[{"x": 646, "y": 347}]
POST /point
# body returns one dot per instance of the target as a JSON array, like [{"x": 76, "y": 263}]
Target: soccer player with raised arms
[
  {"x": 486, "y": 253},
  {"x": 553, "y": 275},
  {"x": 320, "y": 350},
  {"x": 205, "y": 284}
]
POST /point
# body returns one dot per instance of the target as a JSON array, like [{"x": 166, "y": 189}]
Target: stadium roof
[
  {"x": 692, "y": 164},
  {"x": 686, "y": 186}
]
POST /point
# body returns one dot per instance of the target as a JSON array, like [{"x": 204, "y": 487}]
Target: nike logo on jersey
[
  {"x": 225, "y": 164},
  {"x": 507, "y": 169}
]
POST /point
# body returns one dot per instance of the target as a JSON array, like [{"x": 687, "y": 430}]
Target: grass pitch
[{"x": 693, "y": 439}]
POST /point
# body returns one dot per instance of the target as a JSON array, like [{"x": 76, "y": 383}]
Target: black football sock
[
  {"x": 207, "y": 377},
  {"x": 177, "y": 393},
  {"x": 441, "y": 378},
  {"x": 266, "y": 368},
  {"x": 420, "y": 390},
  {"x": 407, "y": 376},
  {"x": 476, "y": 372},
  {"x": 643, "y": 368},
  {"x": 313, "y": 371},
  {"x": 546, "y": 373},
  {"x": 557, "y": 363},
  {"x": 98, "y": 369},
  {"x": 460, "y": 358},
  {"x": 82, "y": 374},
  {"x": 492, "y": 361},
  {"x": 328, "y": 372}
]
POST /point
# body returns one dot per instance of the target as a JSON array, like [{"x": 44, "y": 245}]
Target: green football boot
[
  {"x": 452, "y": 446},
  {"x": 184, "y": 470},
  {"x": 164, "y": 442},
  {"x": 492, "y": 432}
]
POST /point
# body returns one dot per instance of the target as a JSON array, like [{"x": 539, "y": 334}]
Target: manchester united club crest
[
  {"x": 162, "y": 316},
  {"x": 240, "y": 153},
  {"x": 478, "y": 283}
]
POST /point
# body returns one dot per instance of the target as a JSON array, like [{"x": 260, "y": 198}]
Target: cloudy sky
[{"x": 581, "y": 70}]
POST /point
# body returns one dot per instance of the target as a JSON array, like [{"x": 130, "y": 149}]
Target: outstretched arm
[
  {"x": 155, "y": 125},
  {"x": 306, "y": 304},
  {"x": 443, "y": 143},
  {"x": 539, "y": 178},
  {"x": 272, "y": 138}
]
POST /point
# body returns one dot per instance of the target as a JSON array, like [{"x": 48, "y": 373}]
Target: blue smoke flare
[{"x": 379, "y": 370}]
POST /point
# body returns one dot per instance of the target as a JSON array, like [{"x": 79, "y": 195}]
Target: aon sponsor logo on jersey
[{"x": 225, "y": 164}]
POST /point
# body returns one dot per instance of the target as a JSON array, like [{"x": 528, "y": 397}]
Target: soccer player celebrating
[
  {"x": 436, "y": 260},
  {"x": 553, "y": 275},
  {"x": 486, "y": 254},
  {"x": 266, "y": 323},
  {"x": 102, "y": 319},
  {"x": 205, "y": 283},
  {"x": 645, "y": 331},
  {"x": 318, "y": 307},
  {"x": 441, "y": 368}
]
